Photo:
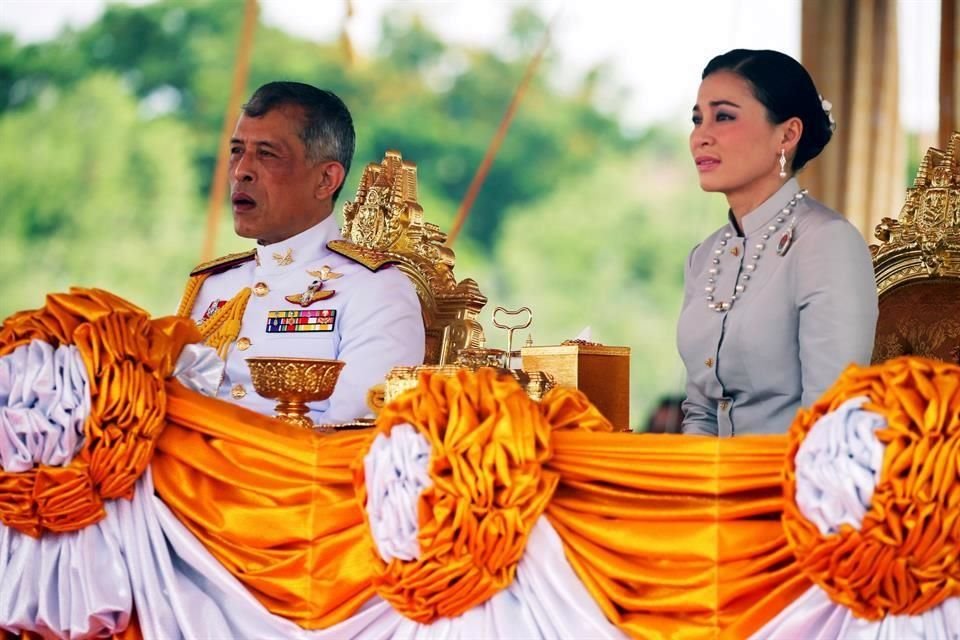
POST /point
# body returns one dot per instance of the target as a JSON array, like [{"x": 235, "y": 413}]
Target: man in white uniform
[{"x": 291, "y": 295}]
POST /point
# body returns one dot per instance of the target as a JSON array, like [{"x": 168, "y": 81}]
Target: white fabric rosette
[
  {"x": 545, "y": 600},
  {"x": 44, "y": 401},
  {"x": 838, "y": 465},
  {"x": 395, "y": 472},
  {"x": 140, "y": 556}
]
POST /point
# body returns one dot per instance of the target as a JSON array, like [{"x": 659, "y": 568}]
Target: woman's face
[{"x": 735, "y": 148}]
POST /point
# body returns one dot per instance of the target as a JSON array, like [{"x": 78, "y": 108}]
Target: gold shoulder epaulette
[
  {"x": 224, "y": 262},
  {"x": 370, "y": 258}
]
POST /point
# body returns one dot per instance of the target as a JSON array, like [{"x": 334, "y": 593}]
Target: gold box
[{"x": 599, "y": 371}]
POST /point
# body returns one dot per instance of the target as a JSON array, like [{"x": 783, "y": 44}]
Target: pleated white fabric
[
  {"x": 140, "y": 557},
  {"x": 85, "y": 583},
  {"x": 199, "y": 369},
  {"x": 838, "y": 466},
  {"x": 44, "y": 401},
  {"x": 814, "y": 616},
  {"x": 395, "y": 473}
]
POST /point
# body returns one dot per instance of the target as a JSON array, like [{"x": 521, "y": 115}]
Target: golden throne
[
  {"x": 384, "y": 225},
  {"x": 917, "y": 265}
]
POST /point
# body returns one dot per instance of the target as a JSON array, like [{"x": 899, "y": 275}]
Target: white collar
[{"x": 306, "y": 246}]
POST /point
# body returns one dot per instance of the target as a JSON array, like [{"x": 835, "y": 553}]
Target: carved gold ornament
[
  {"x": 925, "y": 241},
  {"x": 384, "y": 225},
  {"x": 293, "y": 382}
]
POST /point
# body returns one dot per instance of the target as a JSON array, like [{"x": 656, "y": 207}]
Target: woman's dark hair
[{"x": 784, "y": 87}]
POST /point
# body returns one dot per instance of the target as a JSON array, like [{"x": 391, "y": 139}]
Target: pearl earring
[{"x": 783, "y": 164}]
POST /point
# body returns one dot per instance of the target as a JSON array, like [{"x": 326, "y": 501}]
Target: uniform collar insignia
[
  {"x": 306, "y": 247},
  {"x": 283, "y": 259}
]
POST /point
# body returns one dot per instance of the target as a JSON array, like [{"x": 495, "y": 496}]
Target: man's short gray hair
[{"x": 327, "y": 129}]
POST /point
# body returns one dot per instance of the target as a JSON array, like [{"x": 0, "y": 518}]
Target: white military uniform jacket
[
  {"x": 800, "y": 320},
  {"x": 372, "y": 322}
]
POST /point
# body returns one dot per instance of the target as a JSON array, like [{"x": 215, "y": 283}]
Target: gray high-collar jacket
[{"x": 800, "y": 319}]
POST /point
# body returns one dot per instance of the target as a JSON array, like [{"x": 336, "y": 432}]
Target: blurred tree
[
  {"x": 438, "y": 104},
  {"x": 605, "y": 250},
  {"x": 94, "y": 196},
  {"x": 110, "y": 136}
]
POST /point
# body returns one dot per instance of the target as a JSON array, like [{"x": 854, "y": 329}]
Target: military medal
[
  {"x": 313, "y": 293},
  {"x": 215, "y": 306},
  {"x": 301, "y": 321}
]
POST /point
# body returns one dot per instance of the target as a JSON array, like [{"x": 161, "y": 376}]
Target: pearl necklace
[{"x": 751, "y": 267}]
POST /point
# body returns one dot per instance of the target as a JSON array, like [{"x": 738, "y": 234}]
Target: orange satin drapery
[
  {"x": 674, "y": 536},
  {"x": 275, "y": 504},
  {"x": 127, "y": 357},
  {"x": 488, "y": 487},
  {"x": 903, "y": 558}
]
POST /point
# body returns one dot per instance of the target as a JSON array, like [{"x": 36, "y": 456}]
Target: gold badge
[
  {"x": 708, "y": 362},
  {"x": 283, "y": 259},
  {"x": 313, "y": 293},
  {"x": 243, "y": 344},
  {"x": 261, "y": 289},
  {"x": 324, "y": 273},
  {"x": 735, "y": 251},
  {"x": 238, "y": 391}
]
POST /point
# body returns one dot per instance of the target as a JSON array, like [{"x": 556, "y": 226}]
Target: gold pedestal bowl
[{"x": 294, "y": 382}]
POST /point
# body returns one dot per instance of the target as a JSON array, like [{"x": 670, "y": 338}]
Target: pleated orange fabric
[
  {"x": 489, "y": 442},
  {"x": 275, "y": 504},
  {"x": 127, "y": 356},
  {"x": 673, "y": 536},
  {"x": 905, "y": 557},
  {"x": 676, "y": 536}
]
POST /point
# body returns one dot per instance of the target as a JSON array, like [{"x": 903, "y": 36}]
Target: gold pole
[
  {"x": 481, "y": 174},
  {"x": 349, "y": 53},
  {"x": 218, "y": 188}
]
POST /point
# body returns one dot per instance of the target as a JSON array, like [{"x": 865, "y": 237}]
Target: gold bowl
[{"x": 294, "y": 382}]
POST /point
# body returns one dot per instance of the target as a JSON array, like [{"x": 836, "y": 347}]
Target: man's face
[{"x": 275, "y": 189}]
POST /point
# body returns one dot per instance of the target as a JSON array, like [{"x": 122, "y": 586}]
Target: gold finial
[
  {"x": 384, "y": 224},
  {"x": 925, "y": 240}
]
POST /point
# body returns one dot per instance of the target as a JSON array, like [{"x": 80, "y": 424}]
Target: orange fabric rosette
[
  {"x": 905, "y": 557},
  {"x": 127, "y": 356},
  {"x": 489, "y": 442}
]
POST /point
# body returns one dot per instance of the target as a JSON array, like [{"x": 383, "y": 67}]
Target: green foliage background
[{"x": 108, "y": 138}]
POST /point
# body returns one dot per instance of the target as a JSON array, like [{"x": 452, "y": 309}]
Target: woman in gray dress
[{"x": 782, "y": 298}]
